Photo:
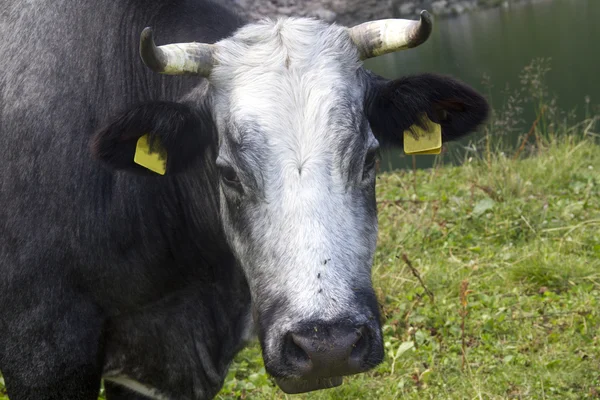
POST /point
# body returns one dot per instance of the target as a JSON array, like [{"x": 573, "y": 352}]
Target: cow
[{"x": 161, "y": 205}]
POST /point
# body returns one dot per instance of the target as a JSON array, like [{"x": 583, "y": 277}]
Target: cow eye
[
  {"x": 370, "y": 160},
  {"x": 229, "y": 176}
]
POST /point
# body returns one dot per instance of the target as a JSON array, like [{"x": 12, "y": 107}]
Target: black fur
[
  {"x": 87, "y": 253},
  {"x": 179, "y": 129},
  {"x": 198, "y": 348},
  {"x": 395, "y": 106}
]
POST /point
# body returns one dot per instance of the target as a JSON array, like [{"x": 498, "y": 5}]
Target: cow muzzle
[{"x": 318, "y": 355}]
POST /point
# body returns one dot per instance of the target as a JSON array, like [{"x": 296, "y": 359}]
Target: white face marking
[
  {"x": 288, "y": 103},
  {"x": 136, "y": 386}
]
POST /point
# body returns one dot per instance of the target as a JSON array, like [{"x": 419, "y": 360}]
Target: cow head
[{"x": 299, "y": 122}]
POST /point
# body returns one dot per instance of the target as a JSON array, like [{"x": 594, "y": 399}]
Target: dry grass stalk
[
  {"x": 531, "y": 131},
  {"x": 464, "y": 292},
  {"x": 417, "y": 275}
]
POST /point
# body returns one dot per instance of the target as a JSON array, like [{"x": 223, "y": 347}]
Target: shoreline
[{"x": 351, "y": 12}]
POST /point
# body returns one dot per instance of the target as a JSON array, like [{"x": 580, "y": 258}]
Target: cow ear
[
  {"x": 153, "y": 138},
  {"x": 395, "y": 106}
]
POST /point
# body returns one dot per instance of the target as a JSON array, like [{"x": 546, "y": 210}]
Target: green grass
[{"x": 525, "y": 235}]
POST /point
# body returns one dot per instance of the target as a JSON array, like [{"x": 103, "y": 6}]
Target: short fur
[{"x": 85, "y": 248}]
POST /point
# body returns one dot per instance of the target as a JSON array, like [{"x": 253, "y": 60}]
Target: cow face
[
  {"x": 299, "y": 122},
  {"x": 296, "y": 157}
]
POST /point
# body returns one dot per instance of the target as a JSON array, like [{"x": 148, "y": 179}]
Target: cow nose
[{"x": 328, "y": 351}]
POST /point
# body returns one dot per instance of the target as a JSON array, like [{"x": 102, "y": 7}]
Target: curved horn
[
  {"x": 388, "y": 35},
  {"x": 176, "y": 59}
]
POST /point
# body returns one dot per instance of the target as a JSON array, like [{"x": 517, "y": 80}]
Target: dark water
[{"x": 499, "y": 43}]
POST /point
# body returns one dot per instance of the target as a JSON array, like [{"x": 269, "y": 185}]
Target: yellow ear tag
[
  {"x": 156, "y": 160},
  {"x": 429, "y": 140}
]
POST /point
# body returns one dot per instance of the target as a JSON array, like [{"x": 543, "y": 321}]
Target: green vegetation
[{"x": 488, "y": 274}]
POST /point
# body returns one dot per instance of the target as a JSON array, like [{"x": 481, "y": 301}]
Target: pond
[{"x": 499, "y": 43}]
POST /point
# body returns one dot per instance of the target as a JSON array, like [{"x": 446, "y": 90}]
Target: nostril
[
  {"x": 296, "y": 349},
  {"x": 296, "y": 355},
  {"x": 360, "y": 348}
]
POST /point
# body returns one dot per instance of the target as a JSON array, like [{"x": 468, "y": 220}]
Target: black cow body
[{"x": 93, "y": 262}]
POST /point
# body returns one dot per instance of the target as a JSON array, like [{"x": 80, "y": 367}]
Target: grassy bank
[{"x": 509, "y": 305}]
